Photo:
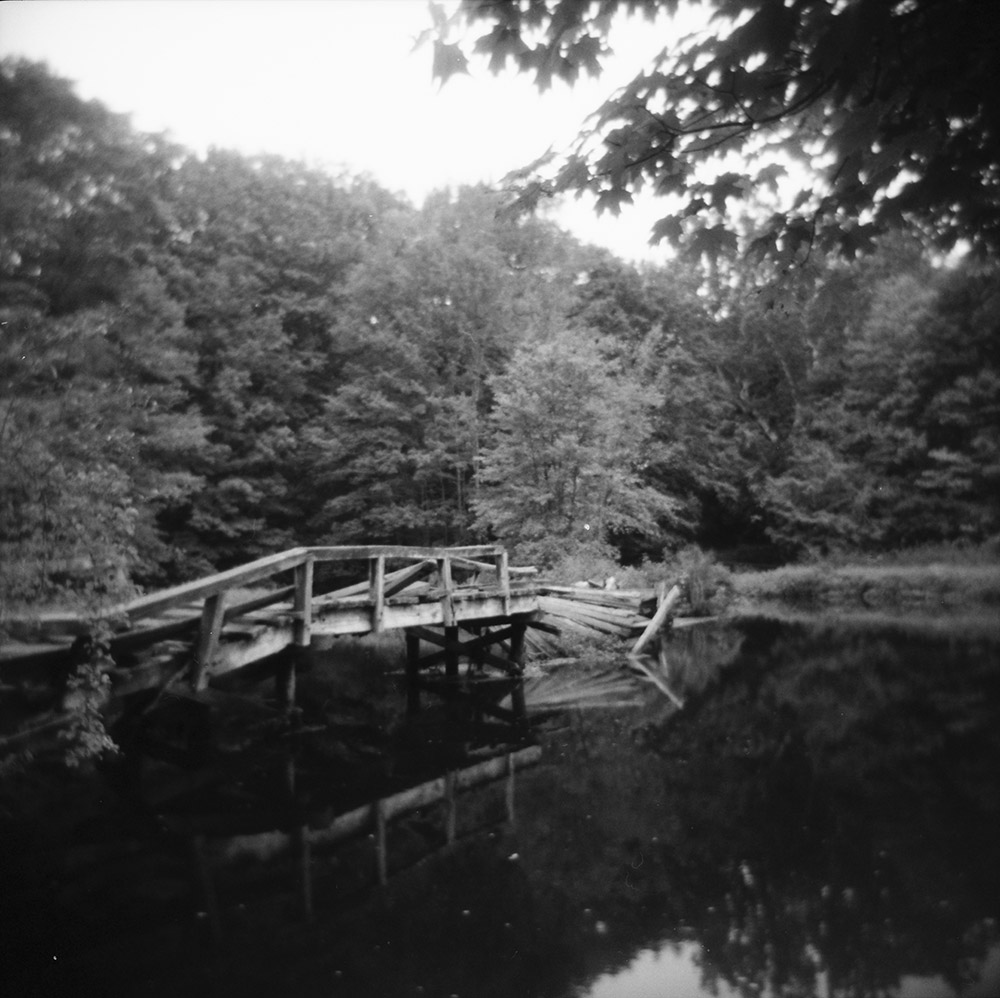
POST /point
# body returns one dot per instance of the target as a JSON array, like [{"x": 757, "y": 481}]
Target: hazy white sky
[{"x": 332, "y": 82}]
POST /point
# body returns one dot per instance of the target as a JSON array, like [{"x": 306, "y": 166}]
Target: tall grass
[{"x": 876, "y": 586}]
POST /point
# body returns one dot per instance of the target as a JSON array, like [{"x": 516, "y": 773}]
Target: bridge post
[
  {"x": 212, "y": 616},
  {"x": 503, "y": 579},
  {"x": 284, "y": 679},
  {"x": 376, "y": 591},
  {"x": 447, "y": 603}
]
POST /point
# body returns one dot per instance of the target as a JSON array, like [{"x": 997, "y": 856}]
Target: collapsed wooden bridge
[
  {"x": 452, "y": 604},
  {"x": 202, "y": 630}
]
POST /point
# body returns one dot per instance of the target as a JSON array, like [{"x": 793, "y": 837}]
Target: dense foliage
[
  {"x": 206, "y": 359},
  {"x": 891, "y": 107}
]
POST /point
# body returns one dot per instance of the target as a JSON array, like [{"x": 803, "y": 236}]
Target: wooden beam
[
  {"x": 659, "y": 618},
  {"x": 263, "y": 568},
  {"x": 503, "y": 578},
  {"x": 208, "y": 639},
  {"x": 364, "y": 552},
  {"x": 376, "y": 592},
  {"x": 394, "y": 582},
  {"x": 454, "y": 647},
  {"x": 447, "y": 605},
  {"x": 303, "y": 603}
]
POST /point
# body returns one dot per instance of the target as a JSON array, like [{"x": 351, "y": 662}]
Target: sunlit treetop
[{"x": 784, "y": 130}]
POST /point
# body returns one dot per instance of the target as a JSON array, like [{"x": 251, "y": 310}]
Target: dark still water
[{"x": 819, "y": 817}]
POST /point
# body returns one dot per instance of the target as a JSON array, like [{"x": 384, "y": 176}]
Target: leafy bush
[{"x": 708, "y": 583}]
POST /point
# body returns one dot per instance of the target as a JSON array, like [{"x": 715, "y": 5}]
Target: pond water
[{"x": 818, "y": 817}]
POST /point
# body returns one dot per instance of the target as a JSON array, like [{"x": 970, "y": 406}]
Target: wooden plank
[
  {"x": 376, "y": 591},
  {"x": 622, "y": 616},
  {"x": 503, "y": 577},
  {"x": 303, "y": 603},
  {"x": 263, "y": 568},
  {"x": 145, "y": 636},
  {"x": 208, "y": 638},
  {"x": 453, "y": 647},
  {"x": 659, "y": 618},
  {"x": 625, "y": 599},
  {"x": 447, "y": 605},
  {"x": 581, "y": 618},
  {"x": 600, "y": 618},
  {"x": 364, "y": 552},
  {"x": 394, "y": 582}
]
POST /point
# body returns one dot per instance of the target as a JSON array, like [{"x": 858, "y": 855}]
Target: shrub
[{"x": 708, "y": 583}]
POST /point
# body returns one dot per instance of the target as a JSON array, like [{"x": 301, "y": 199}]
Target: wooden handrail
[{"x": 264, "y": 568}]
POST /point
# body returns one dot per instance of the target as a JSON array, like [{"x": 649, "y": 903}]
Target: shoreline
[{"x": 926, "y": 589}]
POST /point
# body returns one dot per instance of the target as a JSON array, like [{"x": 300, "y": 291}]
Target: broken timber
[{"x": 215, "y": 628}]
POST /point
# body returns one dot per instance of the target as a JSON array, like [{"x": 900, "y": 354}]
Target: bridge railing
[
  {"x": 380, "y": 586},
  {"x": 175, "y": 611}
]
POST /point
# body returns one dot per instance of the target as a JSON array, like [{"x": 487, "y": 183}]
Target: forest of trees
[{"x": 206, "y": 359}]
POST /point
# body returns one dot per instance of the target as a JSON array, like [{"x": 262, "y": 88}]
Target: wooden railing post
[
  {"x": 503, "y": 580},
  {"x": 376, "y": 591},
  {"x": 303, "y": 603},
  {"x": 284, "y": 679},
  {"x": 212, "y": 615},
  {"x": 447, "y": 603}
]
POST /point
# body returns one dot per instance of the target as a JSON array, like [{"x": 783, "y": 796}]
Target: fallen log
[{"x": 659, "y": 618}]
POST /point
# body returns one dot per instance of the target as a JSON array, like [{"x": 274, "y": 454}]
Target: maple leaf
[{"x": 448, "y": 60}]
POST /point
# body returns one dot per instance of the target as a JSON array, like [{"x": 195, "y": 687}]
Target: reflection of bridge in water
[
  {"x": 182, "y": 899},
  {"x": 434, "y": 803}
]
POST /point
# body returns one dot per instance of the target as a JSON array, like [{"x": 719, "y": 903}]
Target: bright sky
[{"x": 331, "y": 82}]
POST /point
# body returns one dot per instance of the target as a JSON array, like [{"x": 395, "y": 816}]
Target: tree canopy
[
  {"x": 891, "y": 106},
  {"x": 208, "y": 358}
]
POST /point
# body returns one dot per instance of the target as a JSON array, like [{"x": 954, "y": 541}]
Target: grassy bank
[
  {"x": 951, "y": 579},
  {"x": 902, "y": 587}
]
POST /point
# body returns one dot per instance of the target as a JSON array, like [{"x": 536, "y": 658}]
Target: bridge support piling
[{"x": 412, "y": 673}]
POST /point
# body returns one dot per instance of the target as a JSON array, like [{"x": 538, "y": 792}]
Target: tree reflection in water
[{"x": 821, "y": 817}]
